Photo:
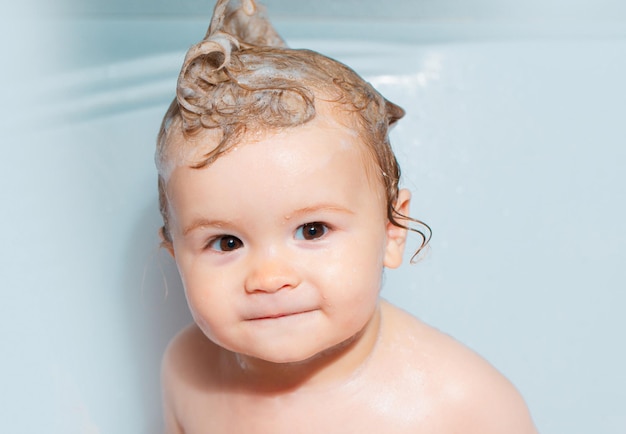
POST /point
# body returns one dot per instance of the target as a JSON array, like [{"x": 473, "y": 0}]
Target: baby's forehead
[{"x": 189, "y": 149}]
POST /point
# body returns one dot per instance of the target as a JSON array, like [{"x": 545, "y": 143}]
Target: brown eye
[
  {"x": 311, "y": 231},
  {"x": 226, "y": 243}
]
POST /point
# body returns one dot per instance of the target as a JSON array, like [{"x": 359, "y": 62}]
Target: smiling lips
[{"x": 279, "y": 315}]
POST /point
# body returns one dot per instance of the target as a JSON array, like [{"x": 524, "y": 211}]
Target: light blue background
[{"x": 513, "y": 146}]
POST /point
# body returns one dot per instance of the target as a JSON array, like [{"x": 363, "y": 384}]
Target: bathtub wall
[
  {"x": 442, "y": 10},
  {"x": 513, "y": 145}
]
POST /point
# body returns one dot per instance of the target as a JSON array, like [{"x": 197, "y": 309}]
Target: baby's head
[
  {"x": 275, "y": 173},
  {"x": 233, "y": 88}
]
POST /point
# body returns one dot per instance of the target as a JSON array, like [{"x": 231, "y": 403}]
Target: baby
[{"x": 281, "y": 207}]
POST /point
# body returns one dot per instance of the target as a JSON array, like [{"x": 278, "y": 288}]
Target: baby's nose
[{"x": 270, "y": 272}]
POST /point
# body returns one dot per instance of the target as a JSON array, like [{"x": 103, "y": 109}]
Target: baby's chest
[{"x": 310, "y": 414}]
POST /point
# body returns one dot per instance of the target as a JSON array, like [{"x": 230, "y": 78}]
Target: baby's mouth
[{"x": 278, "y": 315}]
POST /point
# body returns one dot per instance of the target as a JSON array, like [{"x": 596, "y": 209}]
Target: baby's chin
[
  {"x": 297, "y": 357},
  {"x": 292, "y": 357}
]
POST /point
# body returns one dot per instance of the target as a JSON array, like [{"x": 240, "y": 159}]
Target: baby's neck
[{"x": 335, "y": 366}]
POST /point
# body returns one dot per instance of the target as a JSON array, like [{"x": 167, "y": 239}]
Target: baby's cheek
[
  {"x": 210, "y": 318},
  {"x": 353, "y": 276},
  {"x": 200, "y": 291}
]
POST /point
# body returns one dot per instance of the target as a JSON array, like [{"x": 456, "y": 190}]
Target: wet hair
[{"x": 242, "y": 79}]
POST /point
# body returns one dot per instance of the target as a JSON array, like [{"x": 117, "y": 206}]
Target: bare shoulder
[
  {"x": 467, "y": 392},
  {"x": 187, "y": 357},
  {"x": 185, "y": 378}
]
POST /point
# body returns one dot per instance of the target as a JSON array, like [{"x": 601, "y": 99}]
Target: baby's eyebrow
[
  {"x": 204, "y": 223},
  {"x": 319, "y": 208}
]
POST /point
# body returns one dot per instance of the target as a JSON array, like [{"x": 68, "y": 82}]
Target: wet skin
[{"x": 281, "y": 245}]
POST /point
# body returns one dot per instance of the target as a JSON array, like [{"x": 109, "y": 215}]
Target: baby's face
[{"x": 281, "y": 242}]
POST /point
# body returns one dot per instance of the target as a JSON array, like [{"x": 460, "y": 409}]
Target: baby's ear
[
  {"x": 396, "y": 235},
  {"x": 166, "y": 243}
]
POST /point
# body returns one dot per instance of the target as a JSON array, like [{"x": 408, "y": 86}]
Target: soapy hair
[{"x": 241, "y": 78}]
